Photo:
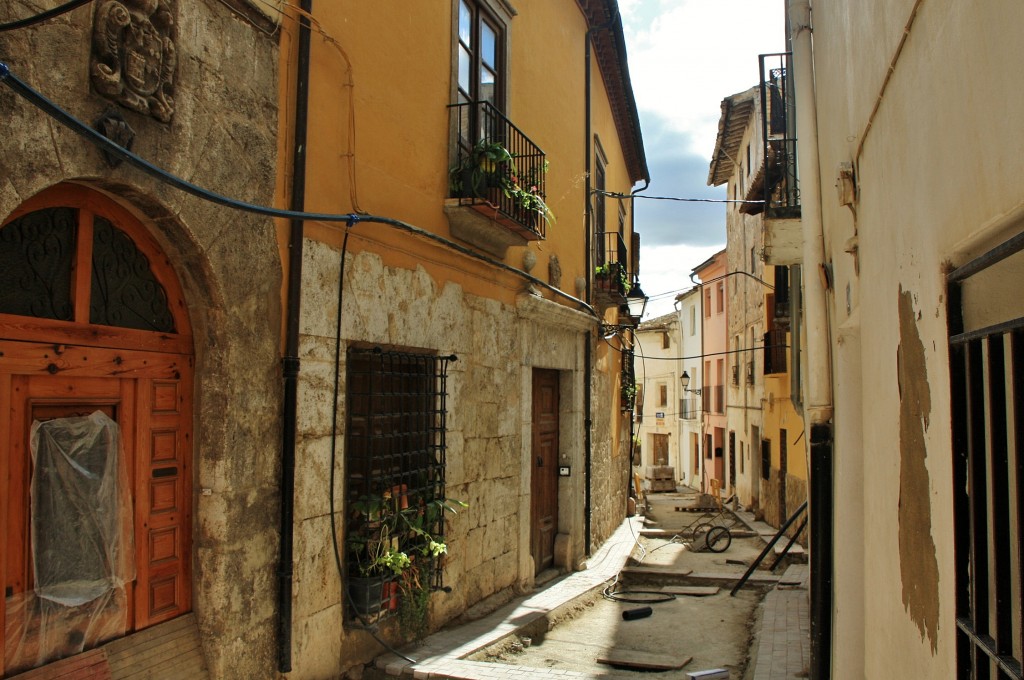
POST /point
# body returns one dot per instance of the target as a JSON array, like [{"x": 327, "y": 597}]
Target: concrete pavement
[{"x": 780, "y": 648}]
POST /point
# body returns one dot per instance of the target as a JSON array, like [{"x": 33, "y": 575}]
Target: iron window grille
[
  {"x": 395, "y": 469},
  {"x": 628, "y": 382},
  {"x": 987, "y": 408}
]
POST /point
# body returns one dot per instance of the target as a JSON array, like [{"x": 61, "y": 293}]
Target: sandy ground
[{"x": 714, "y": 631}]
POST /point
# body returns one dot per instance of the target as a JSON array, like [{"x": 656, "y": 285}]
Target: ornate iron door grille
[{"x": 986, "y": 388}]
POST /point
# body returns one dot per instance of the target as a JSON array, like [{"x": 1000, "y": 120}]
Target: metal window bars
[
  {"x": 987, "y": 409},
  {"x": 394, "y": 470}
]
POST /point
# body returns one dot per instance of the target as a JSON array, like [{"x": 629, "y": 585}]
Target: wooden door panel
[
  {"x": 163, "y": 508},
  {"x": 154, "y": 416},
  {"x": 544, "y": 476}
]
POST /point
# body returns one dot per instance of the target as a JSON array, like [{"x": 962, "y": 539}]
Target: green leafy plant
[
  {"x": 628, "y": 396},
  {"x": 396, "y": 531},
  {"x": 613, "y": 273},
  {"x": 489, "y": 165}
]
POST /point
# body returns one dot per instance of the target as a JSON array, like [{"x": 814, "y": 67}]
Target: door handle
[{"x": 540, "y": 461}]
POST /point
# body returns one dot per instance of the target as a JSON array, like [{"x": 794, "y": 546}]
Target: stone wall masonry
[
  {"x": 489, "y": 413},
  {"x": 223, "y": 137},
  {"x": 796, "y": 493}
]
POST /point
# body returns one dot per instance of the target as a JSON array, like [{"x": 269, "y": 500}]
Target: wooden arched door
[{"x": 95, "y": 523}]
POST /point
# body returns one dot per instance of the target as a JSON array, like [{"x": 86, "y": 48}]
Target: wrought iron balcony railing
[
  {"x": 498, "y": 169},
  {"x": 778, "y": 128},
  {"x": 612, "y": 277}
]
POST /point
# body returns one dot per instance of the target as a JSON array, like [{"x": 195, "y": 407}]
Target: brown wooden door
[
  {"x": 659, "y": 449},
  {"x": 544, "y": 482},
  {"x": 92, "y": 317}
]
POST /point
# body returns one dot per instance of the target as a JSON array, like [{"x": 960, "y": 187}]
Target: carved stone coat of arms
[{"x": 133, "y": 55}]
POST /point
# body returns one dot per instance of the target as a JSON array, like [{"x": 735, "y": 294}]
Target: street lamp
[
  {"x": 636, "y": 301},
  {"x": 684, "y": 380}
]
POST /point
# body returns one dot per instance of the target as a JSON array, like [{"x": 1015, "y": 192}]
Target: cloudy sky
[{"x": 685, "y": 56}]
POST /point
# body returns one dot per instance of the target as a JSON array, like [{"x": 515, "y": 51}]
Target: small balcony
[
  {"x": 496, "y": 181},
  {"x": 780, "y": 185},
  {"x": 611, "y": 273}
]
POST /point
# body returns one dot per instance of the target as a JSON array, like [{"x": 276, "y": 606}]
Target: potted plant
[
  {"x": 489, "y": 171},
  {"x": 611, "y": 276},
  {"x": 525, "y": 193},
  {"x": 479, "y": 170},
  {"x": 391, "y": 545}
]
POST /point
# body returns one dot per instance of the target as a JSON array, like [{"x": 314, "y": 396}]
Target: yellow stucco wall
[{"x": 400, "y": 131}]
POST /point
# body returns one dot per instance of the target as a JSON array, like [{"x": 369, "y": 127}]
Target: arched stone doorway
[{"x": 96, "y": 373}]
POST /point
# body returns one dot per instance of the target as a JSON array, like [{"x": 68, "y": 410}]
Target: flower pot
[
  {"x": 392, "y": 590},
  {"x": 366, "y": 594}
]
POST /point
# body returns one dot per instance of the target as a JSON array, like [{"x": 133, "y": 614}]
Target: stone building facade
[{"x": 237, "y": 545}]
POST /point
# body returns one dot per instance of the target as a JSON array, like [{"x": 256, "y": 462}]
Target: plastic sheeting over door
[{"x": 81, "y": 543}]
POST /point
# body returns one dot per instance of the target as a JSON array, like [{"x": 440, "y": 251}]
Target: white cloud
[
  {"x": 685, "y": 56},
  {"x": 666, "y": 269}
]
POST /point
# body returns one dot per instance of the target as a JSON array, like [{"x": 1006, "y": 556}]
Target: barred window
[
  {"x": 986, "y": 348},
  {"x": 395, "y": 476}
]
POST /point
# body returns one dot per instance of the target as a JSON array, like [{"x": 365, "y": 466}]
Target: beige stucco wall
[
  {"x": 938, "y": 181},
  {"x": 659, "y": 366},
  {"x": 226, "y": 86}
]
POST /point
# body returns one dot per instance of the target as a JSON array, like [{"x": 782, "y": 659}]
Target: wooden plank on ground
[
  {"x": 643, "y": 660},
  {"x": 657, "y": 570},
  {"x": 696, "y": 591},
  {"x": 169, "y": 651},
  {"x": 657, "y": 533},
  {"x": 91, "y": 665}
]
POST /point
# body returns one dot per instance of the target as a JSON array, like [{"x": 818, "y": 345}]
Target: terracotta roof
[
  {"x": 736, "y": 110},
  {"x": 658, "y": 323},
  {"x": 610, "y": 51}
]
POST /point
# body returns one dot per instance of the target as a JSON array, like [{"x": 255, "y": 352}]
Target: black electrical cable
[
  {"x": 43, "y": 16},
  {"x": 620, "y": 196},
  {"x": 699, "y": 356},
  {"x": 63, "y": 117},
  {"x": 334, "y": 445},
  {"x": 626, "y": 595}
]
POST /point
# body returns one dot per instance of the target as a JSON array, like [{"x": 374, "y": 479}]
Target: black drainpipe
[
  {"x": 822, "y": 551},
  {"x": 290, "y": 362}
]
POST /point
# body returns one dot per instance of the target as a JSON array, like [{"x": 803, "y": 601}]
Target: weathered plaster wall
[
  {"x": 221, "y": 137},
  {"x": 926, "y": 197},
  {"x": 489, "y": 421}
]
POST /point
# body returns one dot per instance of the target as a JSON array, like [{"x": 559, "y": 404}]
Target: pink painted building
[{"x": 714, "y": 295}]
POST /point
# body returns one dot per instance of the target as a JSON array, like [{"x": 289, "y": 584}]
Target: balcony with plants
[
  {"x": 612, "y": 279},
  {"x": 496, "y": 182}
]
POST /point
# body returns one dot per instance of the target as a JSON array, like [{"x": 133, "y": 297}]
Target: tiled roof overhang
[
  {"x": 736, "y": 110},
  {"x": 610, "y": 52}
]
